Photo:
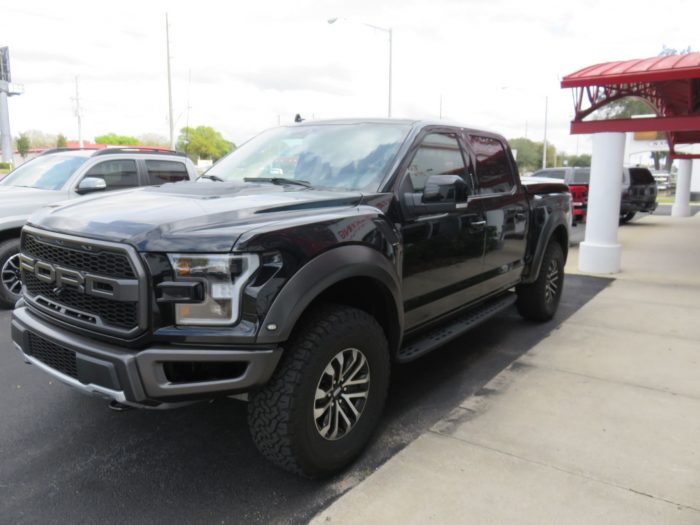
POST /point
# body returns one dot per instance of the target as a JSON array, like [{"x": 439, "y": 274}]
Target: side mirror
[
  {"x": 442, "y": 189},
  {"x": 91, "y": 184}
]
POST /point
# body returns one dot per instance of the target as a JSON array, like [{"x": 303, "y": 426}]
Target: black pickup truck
[{"x": 298, "y": 270}]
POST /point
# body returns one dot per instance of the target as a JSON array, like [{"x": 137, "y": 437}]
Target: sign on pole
[{"x": 5, "y": 64}]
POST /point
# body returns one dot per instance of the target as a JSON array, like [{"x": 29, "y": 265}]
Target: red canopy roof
[
  {"x": 656, "y": 69},
  {"x": 670, "y": 84}
]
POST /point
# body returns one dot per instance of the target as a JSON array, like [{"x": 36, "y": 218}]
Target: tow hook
[{"x": 118, "y": 407}]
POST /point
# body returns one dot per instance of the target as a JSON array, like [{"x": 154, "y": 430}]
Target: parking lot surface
[{"x": 65, "y": 457}]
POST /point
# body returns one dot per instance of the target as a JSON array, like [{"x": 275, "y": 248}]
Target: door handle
[{"x": 478, "y": 224}]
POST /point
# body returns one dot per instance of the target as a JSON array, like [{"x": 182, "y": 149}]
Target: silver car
[{"x": 60, "y": 175}]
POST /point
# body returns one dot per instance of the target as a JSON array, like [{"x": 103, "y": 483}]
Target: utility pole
[
  {"x": 441, "y": 106},
  {"x": 544, "y": 152},
  {"x": 170, "y": 88},
  {"x": 78, "y": 115},
  {"x": 7, "y": 89}
]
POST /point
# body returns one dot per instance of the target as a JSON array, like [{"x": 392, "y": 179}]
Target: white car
[{"x": 59, "y": 175}]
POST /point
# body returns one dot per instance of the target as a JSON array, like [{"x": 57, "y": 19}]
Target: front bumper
[{"x": 136, "y": 378}]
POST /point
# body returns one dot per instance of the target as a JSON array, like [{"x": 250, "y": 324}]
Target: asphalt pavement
[{"x": 67, "y": 458}]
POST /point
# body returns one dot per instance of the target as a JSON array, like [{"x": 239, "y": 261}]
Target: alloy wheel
[
  {"x": 11, "y": 275},
  {"x": 551, "y": 285},
  {"x": 341, "y": 394}
]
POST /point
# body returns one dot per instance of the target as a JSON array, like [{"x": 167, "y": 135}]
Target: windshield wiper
[
  {"x": 279, "y": 180},
  {"x": 212, "y": 177}
]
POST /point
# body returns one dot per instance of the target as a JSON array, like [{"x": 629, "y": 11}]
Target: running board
[{"x": 437, "y": 337}]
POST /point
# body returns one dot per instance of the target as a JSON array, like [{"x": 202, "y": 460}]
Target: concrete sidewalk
[{"x": 599, "y": 423}]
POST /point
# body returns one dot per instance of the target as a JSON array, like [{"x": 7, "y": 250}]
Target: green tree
[
  {"x": 154, "y": 140},
  {"x": 23, "y": 145},
  {"x": 203, "y": 142},
  {"x": 578, "y": 161},
  {"x": 61, "y": 141},
  {"x": 117, "y": 140},
  {"x": 529, "y": 157}
]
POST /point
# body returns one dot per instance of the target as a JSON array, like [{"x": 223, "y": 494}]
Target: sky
[{"x": 242, "y": 67}]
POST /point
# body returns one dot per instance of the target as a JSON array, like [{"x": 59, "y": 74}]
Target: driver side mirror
[
  {"x": 442, "y": 189},
  {"x": 91, "y": 184}
]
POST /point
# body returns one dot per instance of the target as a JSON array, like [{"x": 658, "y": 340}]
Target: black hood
[{"x": 188, "y": 216}]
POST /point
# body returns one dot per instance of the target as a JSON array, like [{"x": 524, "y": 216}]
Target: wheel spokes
[{"x": 341, "y": 394}]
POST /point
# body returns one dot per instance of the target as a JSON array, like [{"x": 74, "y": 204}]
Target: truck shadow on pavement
[{"x": 67, "y": 458}]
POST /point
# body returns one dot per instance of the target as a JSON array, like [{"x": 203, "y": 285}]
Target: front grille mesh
[
  {"x": 52, "y": 355},
  {"x": 71, "y": 303},
  {"x": 105, "y": 263},
  {"x": 113, "y": 313}
]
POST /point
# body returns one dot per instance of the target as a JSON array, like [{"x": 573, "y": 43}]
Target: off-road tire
[
  {"x": 534, "y": 302},
  {"x": 8, "y": 249},
  {"x": 280, "y": 415}
]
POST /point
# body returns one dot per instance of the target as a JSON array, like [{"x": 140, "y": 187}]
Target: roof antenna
[{"x": 297, "y": 118}]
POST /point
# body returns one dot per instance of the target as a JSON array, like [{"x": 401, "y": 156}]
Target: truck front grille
[
  {"x": 53, "y": 355},
  {"x": 84, "y": 260},
  {"x": 119, "y": 314}
]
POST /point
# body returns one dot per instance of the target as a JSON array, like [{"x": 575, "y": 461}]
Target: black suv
[{"x": 316, "y": 257}]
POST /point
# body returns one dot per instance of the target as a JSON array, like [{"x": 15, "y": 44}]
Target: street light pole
[
  {"x": 390, "y": 32},
  {"x": 171, "y": 123}
]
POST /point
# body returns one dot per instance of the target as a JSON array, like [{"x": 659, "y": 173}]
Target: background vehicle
[
  {"x": 639, "y": 189},
  {"x": 577, "y": 179},
  {"x": 638, "y": 193},
  {"x": 61, "y": 174},
  {"x": 326, "y": 252}
]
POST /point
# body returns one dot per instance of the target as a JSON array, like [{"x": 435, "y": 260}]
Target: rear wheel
[
  {"x": 10, "y": 277},
  {"x": 627, "y": 217},
  {"x": 538, "y": 301},
  {"x": 319, "y": 409}
]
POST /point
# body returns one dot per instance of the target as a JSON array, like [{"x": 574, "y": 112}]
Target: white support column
[
  {"x": 600, "y": 252},
  {"x": 681, "y": 205}
]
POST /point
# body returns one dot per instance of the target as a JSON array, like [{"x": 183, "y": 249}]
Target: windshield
[
  {"x": 46, "y": 173},
  {"x": 347, "y": 156}
]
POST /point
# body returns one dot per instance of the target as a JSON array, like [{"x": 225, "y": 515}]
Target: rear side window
[
  {"x": 492, "y": 166},
  {"x": 641, "y": 176},
  {"x": 162, "y": 171},
  {"x": 581, "y": 176},
  {"x": 117, "y": 174}
]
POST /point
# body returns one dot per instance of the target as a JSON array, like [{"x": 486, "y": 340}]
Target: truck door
[
  {"x": 443, "y": 241},
  {"x": 506, "y": 210}
]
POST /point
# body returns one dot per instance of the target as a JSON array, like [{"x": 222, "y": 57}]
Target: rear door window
[
  {"x": 117, "y": 174},
  {"x": 581, "y": 176},
  {"x": 492, "y": 167},
  {"x": 162, "y": 171}
]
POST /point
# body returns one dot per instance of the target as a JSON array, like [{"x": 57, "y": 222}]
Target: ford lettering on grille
[{"x": 82, "y": 282}]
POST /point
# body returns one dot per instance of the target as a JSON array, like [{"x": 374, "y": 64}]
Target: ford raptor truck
[{"x": 298, "y": 270}]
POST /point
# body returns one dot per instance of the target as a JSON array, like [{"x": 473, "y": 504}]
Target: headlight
[{"x": 223, "y": 276}]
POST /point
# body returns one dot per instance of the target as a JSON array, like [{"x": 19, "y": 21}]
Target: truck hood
[
  {"x": 18, "y": 201},
  {"x": 188, "y": 216}
]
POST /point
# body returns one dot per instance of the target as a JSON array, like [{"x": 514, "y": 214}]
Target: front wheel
[
  {"x": 10, "y": 277},
  {"x": 538, "y": 301},
  {"x": 325, "y": 399}
]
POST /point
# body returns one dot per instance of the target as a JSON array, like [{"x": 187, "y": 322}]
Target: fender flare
[
  {"x": 318, "y": 275},
  {"x": 556, "y": 220}
]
